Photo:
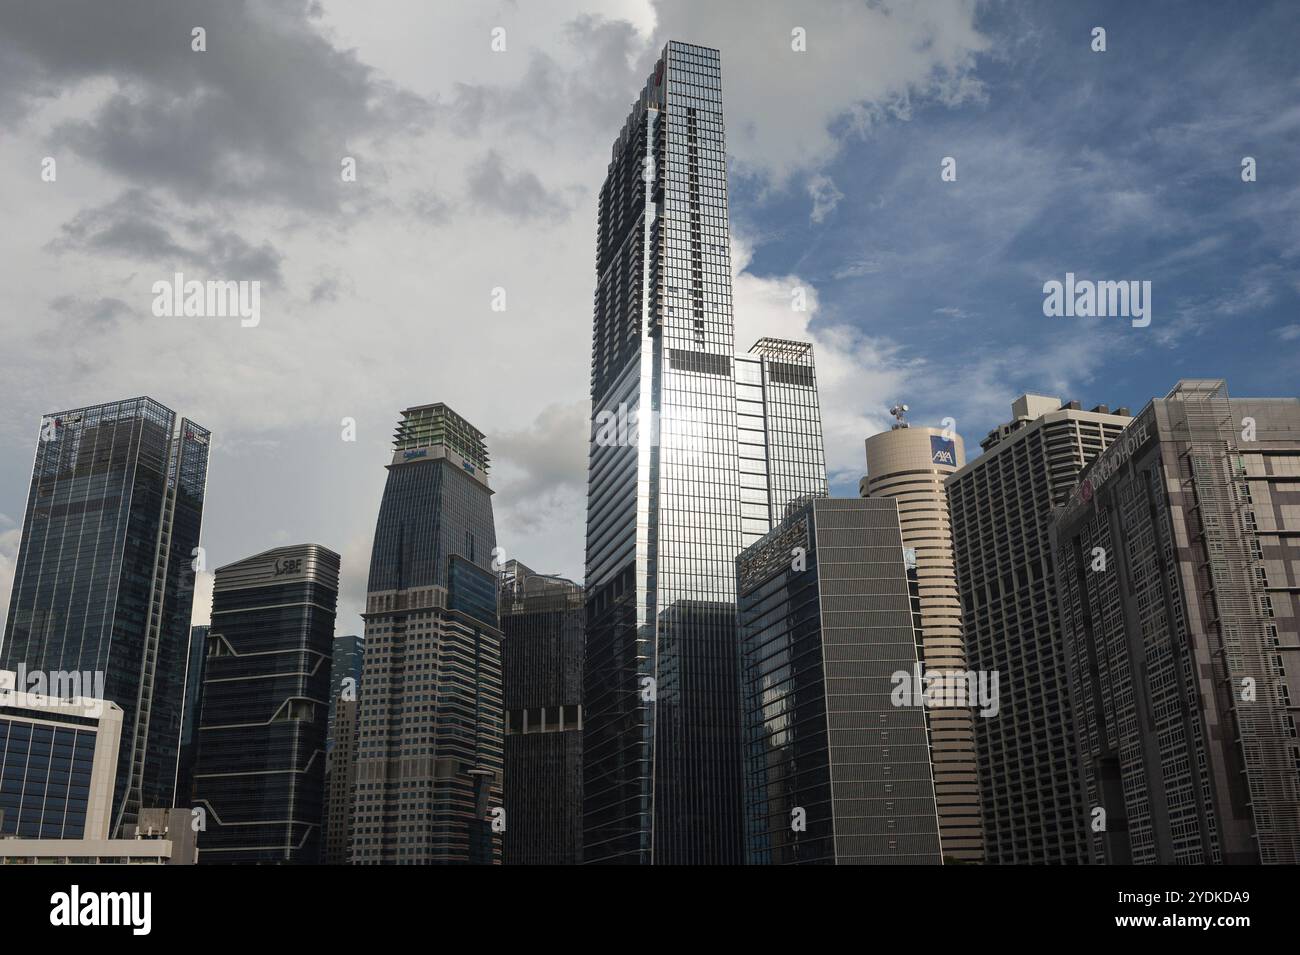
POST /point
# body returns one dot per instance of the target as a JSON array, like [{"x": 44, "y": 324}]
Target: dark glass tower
[
  {"x": 662, "y": 740},
  {"x": 261, "y": 765},
  {"x": 189, "y": 751},
  {"x": 542, "y": 628},
  {"x": 429, "y": 757},
  {"x": 835, "y": 772},
  {"x": 105, "y": 578}
]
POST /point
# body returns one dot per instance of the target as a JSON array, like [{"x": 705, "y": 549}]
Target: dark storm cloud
[
  {"x": 88, "y": 315},
  {"x": 266, "y": 113},
  {"x": 518, "y": 195},
  {"x": 135, "y": 226}
]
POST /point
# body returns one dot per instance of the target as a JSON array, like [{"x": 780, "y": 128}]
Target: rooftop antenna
[{"x": 899, "y": 412}]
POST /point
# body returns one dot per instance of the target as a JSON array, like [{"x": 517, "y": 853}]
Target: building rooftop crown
[{"x": 425, "y": 426}]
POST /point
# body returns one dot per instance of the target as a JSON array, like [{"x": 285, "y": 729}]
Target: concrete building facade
[
  {"x": 910, "y": 464},
  {"x": 1178, "y": 563},
  {"x": 1000, "y": 504}
]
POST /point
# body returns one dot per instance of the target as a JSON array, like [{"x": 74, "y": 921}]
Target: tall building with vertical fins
[
  {"x": 429, "y": 747},
  {"x": 1001, "y": 504},
  {"x": 661, "y": 748},
  {"x": 260, "y": 773},
  {"x": 1178, "y": 561},
  {"x": 910, "y": 465},
  {"x": 104, "y": 581}
]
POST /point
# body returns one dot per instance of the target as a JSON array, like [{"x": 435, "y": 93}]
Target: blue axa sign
[
  {"x": 415, "y": 454},
  {"x": 943, "y": 451}
]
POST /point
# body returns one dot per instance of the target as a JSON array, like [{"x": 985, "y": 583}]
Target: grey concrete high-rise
[
  {"x": 661, "y": 748},
  {"x": 1000, "y": 504},
  {"x": 543, "y": 625},
  {"x": 910, "y": 464},
  {"x": 260, "y": 773},
  {"x": 835, "y": 771},
  {"x": 104, "y": 581},
  {"x": 429, "y": 747},
  {"x": 1178, "y": 567},
  {"x": 340, "y": 783}
]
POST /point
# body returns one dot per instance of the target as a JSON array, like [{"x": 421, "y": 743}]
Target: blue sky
[
  {"x": 1117, "y": 165},
  {"x": 478, "y": 169}
]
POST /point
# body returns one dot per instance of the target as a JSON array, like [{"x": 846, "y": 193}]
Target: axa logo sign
[
  {"x": 130, "y": 909},
  {"x": 943, "y": 451},
  {"x": 410, "y": 455}
]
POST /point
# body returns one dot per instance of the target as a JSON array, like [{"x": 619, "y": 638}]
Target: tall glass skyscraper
[
  {"x": 779, "y": 426},
  {"x": 261, "y": 763},
  {"x": 105, "y": 581},
  {"x": 662, "y": 779},
  {"x": 429, "y": 756}
]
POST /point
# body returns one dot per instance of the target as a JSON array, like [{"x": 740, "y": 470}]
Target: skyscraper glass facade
[
  {"x": 779, "y": 429},
  {"x": 542, "y": 629},
  {"x": 261, "y": 765},
  {"x": 189, "y": 749},
  {"x": 104, "y": 581},
  {"x": 662, "y": 743},
  {"x": 835, "y": 772}
]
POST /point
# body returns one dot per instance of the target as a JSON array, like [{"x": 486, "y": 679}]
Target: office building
[
  {"x": 345, "y": 675},
  {"x": 910, "y": 465},
  {"x": 341, "y": 746},
  {"x": 661, "y": 746},
  {"x": 1000, "y": 504},
  {"x": 58, "y": 762},
  {"x": 104, "y": 581},
  {"x": 340, "y": 780},
  {"x": 543, "y": 623},
  {"x": 260, "y": 775},
  {"x": 429, "y": 757},
  {"x": 1178, "y": 566},
  {"x": 189, "y": 748},
  {"x": 779, "y": 432},
  {"x": 835, "y": 771}
]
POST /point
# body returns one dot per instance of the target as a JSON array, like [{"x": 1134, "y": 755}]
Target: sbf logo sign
[{"x": 943, "y": 451}]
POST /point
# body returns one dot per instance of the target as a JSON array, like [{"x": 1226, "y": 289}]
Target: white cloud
[
  {"x": 857, "y": 375},
  {"x": 384, "y": 301}
]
